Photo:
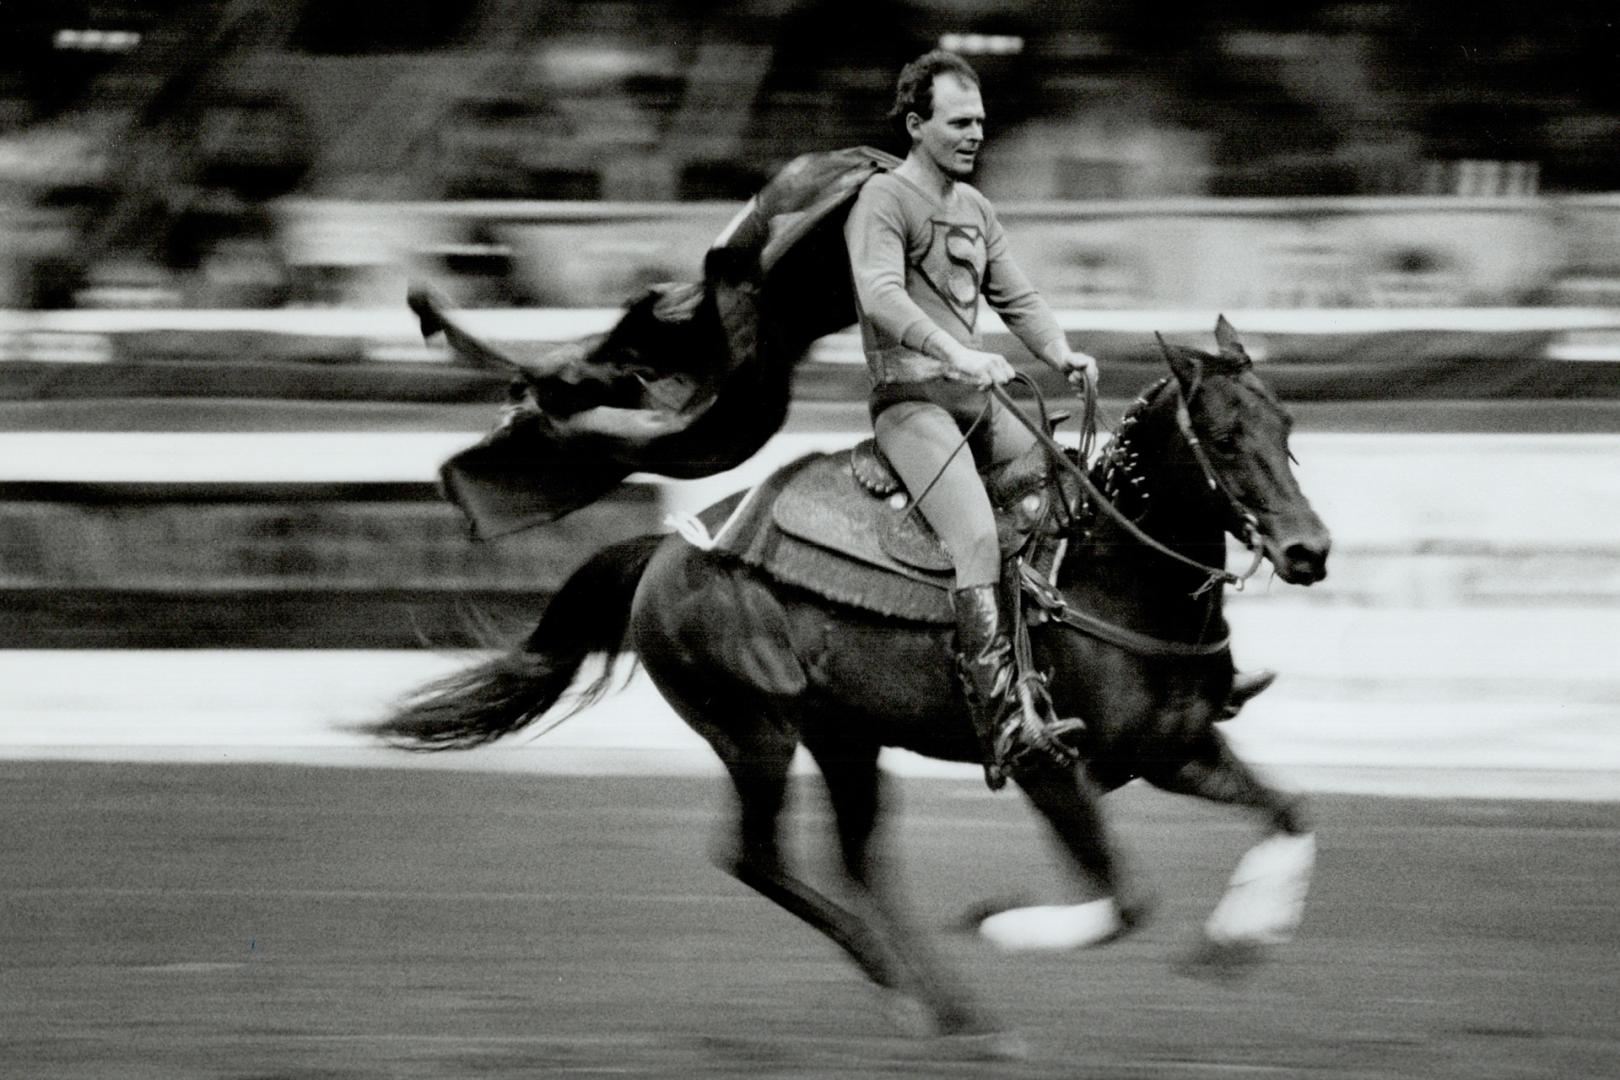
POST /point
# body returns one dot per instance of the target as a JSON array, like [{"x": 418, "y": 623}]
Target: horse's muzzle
[{"x": 1301, "y": 559}]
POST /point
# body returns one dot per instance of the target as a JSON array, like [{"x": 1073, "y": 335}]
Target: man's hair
[{"x": 914, "y": 90}]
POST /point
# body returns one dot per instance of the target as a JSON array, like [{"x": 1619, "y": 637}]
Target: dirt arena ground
[{"x": 259, "y": 921}]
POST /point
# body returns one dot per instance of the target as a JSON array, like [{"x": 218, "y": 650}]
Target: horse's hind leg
[
  {"x": 857, "y": 789},
  {"x": 1265, "y": 899},
  {"x": 758, "y": 758}
]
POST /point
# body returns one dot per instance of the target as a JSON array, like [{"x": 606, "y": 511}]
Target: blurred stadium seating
[{"x": 147, "y": 141}]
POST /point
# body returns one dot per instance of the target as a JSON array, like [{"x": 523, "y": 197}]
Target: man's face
[{"x": 952, "y": 136}]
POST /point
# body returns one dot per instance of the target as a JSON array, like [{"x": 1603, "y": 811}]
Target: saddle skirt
[{"x": 842, "y": 526}]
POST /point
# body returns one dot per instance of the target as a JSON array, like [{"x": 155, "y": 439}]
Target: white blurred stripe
[
  {"x": 1533, "y": 479},
  {"x": 843, "y": 348},
  {"x": 1329, "y": 321},
  {"x": 1589, "y": 352},
  {"x": 558, "y": 324},
  {"x": 44, "y": 347},
  {"x": 1336, "y": 735},
  {"x": 517, "y": 324},
  {"x": 285, "y": 457},
  {"x": 214, "y": 457}
]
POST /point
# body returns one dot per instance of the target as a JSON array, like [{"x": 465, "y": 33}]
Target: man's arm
[{"x": 1022, "y": 307}]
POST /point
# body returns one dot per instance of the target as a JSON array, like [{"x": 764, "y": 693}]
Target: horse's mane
[{"x": 1113, "y": 471}]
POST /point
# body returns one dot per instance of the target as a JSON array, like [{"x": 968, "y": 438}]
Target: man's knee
[
  {"x": 978, "y": 562},
  {"x": 1009, "y": 439}
]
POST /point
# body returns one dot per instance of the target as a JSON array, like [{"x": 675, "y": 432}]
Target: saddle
[{"x": 842, "y": 526}]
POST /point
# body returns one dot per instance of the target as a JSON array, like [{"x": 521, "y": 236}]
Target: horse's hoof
[
  {"x": 973, "y": 1034},
  {"x": 984, "y": 909},
  {"x": 905, "y": 1014},
  {"x": 986, "y": 1046},
  {"x": 1223, "y": 962},
  {"x": 1135, "y": 911},
  {"x": 1054, "y": 928}
]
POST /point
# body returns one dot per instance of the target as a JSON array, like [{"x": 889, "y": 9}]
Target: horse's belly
[
  {"x": 710, "y": 631},
  {"x": 889, "y": 670}
]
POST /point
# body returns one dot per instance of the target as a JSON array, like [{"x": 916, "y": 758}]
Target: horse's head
[{"x": 1238, "y": 432}]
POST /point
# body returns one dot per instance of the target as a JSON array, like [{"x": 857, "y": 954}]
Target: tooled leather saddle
[{"x": 843, "y": 526}]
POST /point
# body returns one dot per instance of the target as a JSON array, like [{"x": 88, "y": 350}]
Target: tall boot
[
  {"x": 1008, "y": 732},
  {"x": 984, "y": 664}
]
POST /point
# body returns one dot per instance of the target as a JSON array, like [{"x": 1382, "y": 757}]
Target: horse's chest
[{"x": 1151, "y": 719}]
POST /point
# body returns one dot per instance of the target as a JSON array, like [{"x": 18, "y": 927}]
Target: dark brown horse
[{"x": 1134, "y": 643}]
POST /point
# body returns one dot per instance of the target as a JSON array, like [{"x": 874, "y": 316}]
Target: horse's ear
[
  {"x": 1184, "y": 363},
  {"x": 1227, "y": 340}
]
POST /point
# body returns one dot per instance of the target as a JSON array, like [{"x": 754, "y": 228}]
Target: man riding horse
[
  {"x": 924, "y": 249},
  {"x": 695, "y": 378}
]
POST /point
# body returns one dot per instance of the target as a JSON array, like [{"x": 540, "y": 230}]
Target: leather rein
[
  {"x": 1052, "y": 603},
  {"x": 1213, "y": 574}
]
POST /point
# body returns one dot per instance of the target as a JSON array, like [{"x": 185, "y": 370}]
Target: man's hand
[
  {"x": 980, "y": 368},
  {"x": 1078, "y": 367}
]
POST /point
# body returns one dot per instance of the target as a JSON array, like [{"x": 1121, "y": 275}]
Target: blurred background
[
  {"x": 242, "y": 154},
  {"x": 219, "y": 426},
  {"x": 220, "y": 536}
]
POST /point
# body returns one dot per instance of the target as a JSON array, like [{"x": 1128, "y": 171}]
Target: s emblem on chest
[{"x": 953, "y": 266}]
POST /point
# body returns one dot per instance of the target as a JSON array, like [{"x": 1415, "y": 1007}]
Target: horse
[{"x": 1129, "y": 634}]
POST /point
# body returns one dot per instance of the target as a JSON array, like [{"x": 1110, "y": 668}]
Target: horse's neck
[{"x": 1148, "y": 475}]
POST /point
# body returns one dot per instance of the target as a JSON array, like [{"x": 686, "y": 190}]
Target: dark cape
[{"x": 695, "y": 377}]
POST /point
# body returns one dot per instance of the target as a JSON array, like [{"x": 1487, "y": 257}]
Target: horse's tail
[{"x": 588, "y": 615}]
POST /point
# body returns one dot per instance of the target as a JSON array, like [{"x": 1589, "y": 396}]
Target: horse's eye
[{"x": 1226, "y": 442}]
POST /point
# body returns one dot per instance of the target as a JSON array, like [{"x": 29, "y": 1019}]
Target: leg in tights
[
  {"x": 1008, "y": 438},
  {"x": 918, "y": 437}
]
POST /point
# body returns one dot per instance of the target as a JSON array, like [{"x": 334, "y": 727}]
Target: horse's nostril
[{"x": 1310, "y": 556}]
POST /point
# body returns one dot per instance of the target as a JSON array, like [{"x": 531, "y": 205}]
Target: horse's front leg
[
  {"x": 1069, "y": 800},
  {"x": 1265, "y": 900}
]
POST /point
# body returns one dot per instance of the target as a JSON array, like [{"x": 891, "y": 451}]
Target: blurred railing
[{"x": 1430, "y": 251}]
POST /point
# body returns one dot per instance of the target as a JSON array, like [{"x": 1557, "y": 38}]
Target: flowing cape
[{"x": 692, "y": 380}]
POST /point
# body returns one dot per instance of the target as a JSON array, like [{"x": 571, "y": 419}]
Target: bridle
[
  {"x": 1213, "y": 575},
  {"x": 1248, "y": 523},
  {"x": 1055, "y": 607},
  {"x": 1044, "y": 593}
]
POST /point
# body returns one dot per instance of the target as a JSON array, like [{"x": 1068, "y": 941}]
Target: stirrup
[
  {"x": 1021, "y": 740},
  {"x": 1024, "y": 736}
]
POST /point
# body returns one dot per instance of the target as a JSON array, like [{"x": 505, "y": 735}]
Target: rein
[
  {"x": 1055, "y": 607},
  {"x": 1052, "y": 604},
  {"x": 1213, "y": 574}
]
